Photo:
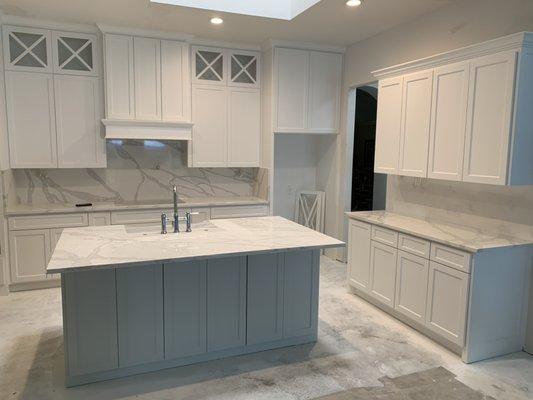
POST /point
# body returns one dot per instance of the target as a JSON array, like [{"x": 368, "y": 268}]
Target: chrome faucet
[{"x": 177, "y": 218}]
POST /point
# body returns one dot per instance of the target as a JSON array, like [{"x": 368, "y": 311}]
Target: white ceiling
[{"x": 328, "y": 21}]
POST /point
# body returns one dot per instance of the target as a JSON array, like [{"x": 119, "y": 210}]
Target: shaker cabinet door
[
  {"x": 29, "y": 254},
  {"x": 119, "y": 79},
  {"x": 411, "y": 286},
  {"x": 382, "y": 285},
  {"x": 147, "y": 67},
  {"x": 244, "y": 130},
  {"x": 359, "y": 254}
]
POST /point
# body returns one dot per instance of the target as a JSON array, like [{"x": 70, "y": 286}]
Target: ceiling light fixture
[
  {"x": 216, "y": 20},
  {"x": 354, "y": 3}
]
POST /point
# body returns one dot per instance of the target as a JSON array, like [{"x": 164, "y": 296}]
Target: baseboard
[{"x": 49, "y": 283}]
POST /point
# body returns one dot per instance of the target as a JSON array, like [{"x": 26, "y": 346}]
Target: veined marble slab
[
  {"x": 462, "y": 237},
  {"x": 133, "y": 205},
  {"x": 116, "y": 245}
]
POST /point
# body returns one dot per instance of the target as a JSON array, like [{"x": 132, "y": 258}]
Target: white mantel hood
[{"x": 153, "y": 130}]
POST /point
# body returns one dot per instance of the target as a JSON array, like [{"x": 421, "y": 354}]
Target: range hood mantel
[{"x": 153, "y": 130}]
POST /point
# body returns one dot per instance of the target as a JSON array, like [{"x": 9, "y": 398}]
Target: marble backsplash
[
  {"x": 137, "y": 171},
  {"x": 508, "y": 208}
]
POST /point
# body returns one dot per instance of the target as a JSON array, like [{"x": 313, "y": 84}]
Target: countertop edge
[{"x": 193, "y": 258}]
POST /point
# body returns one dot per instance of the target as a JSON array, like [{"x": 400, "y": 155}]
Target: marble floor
[{"x": 360, "y": 350}]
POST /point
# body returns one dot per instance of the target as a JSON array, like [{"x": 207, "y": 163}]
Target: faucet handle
[{"x": 188, "y": 220}]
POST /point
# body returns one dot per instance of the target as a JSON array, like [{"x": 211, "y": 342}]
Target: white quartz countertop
[
  {"x": 15, "y": 210},
  {"x": 462, "y": 237},
  {"x": 117, "y": 245}
]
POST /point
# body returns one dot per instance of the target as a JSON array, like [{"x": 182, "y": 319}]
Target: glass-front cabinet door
[
  {"x": 27, "y": 49},
  {"x": 209, "y": 66},
  {"x": 74, "y": 53},
  {"x": 243, "y": 68}
]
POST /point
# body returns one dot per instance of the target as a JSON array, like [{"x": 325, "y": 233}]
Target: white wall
[{"x": 457, "y": 25}]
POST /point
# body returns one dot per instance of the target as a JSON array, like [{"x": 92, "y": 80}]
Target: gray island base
[{"x": 130, "y": 319}]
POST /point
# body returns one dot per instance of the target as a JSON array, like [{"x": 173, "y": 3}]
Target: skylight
[{"x": 279, "y": 9}]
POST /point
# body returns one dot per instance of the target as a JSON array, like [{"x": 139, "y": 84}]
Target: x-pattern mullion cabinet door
[
  {"x": 209, "y": 66},
  {"x": 27, "y": 49},
  {"x": 243, "y": 68},
  {"x": 74, "y": 53}
]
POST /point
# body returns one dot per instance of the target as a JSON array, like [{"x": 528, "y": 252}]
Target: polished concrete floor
[{"x": 361, "y": 354}]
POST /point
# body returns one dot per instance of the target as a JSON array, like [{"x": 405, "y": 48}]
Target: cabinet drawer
[
  {"x": 48, "y": 221},
  {"x": 451, "y": 257},
  {"x": 138, "y": 216},
  {"x": 385, "y": 236},
  {"x": 239, "y": 211},
  {"x": 414, "y": 245}
]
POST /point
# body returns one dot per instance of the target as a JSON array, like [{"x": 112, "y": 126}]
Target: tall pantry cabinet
[{"x": 52, "y": 98}]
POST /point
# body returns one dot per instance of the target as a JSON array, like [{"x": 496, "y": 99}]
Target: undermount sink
[{"x": 144, "y": 229}]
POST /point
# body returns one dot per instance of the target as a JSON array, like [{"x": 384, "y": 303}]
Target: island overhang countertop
[{"x": 118, "y": 245}]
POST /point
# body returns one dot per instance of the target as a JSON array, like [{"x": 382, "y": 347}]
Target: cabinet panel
[
  {"x": 31, "y": 120},
  {"x": 413, "y": 245},
  {"x": 27, "y": 49},
  {"x": 300, "y": 307},
  {"x": 210, "y": 126},
  {"x": 447, "y": 302},
  {"x": 140, "y": 314},
  {"x": 209, "y": 66},
  {"x": 411, "y": 286},
  {"x": 79, "y": 140},
  {"x": 185, "y": 309},
  {"x": 385, "y": 235},
  {"x": 488, "y": 126},
  {"x": 99, "y": 219},
  {"x": 292, "y": 71},
  {"x": 325, "y": 74},
  {"x": 147, "y": 67},
  {"x": 244, "y": 68},
  {"x": 74, "y": 53},
  {"x": 226, "y": 303},
  {"x": 55, "y": 234},
  {"x": 416, "y": 114},
  {"x": 388, "y": 124},
  {"x": 91, "y": 321},
  {"x": 29, "y": 254},
  {"x": 175, "y": 82},
  {"x": 359, "y": 254},
  {"x": 265, "y": 298},
  {"x": 244, "y": 133},
  {"x": 259, "y": 210},
  {"x": 383, "y": 272},
  {"x": 448, "y": 122},
  {"x": 119, "y": 77}
]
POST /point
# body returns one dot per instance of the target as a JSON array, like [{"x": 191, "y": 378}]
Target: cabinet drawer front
[
  {"x": 413, "y": 245},
  {"x": 385, "y": 236},
  {"x": 239, "y": 211},
  {"x": 48, "y": 221},
  {"x": 138, "y": 217},
  {"x": 451, "y": 257}
]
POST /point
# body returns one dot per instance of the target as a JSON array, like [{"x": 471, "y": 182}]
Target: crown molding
[
  {"x": 123, "y": 30},
  {"x": 47, "y": 24},
  {"x": 511, "y": 42},
  {"x": 228, "y": 45},
  {"x": 303, "y": 45}
]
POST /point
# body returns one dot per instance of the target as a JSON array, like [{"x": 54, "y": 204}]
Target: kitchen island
[{"x": 136, "y": 301}]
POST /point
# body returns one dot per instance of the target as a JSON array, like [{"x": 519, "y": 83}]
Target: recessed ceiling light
[
  {"x": 216, "y": 20},
  {"x": 354, "y": 3}
]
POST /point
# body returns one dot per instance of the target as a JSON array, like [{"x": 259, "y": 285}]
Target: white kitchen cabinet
[
  {"x": 414, "y": 130},
  {"x": 447, "y": 302},
  {"x": 291, "y": 89},
  {"x": 29, "y": 254},
  {"x": 31, "y": 120},
  {"x": 489, "y": 118},
  {"x": 244, "y": 127},
  {"x": 325, "y": 78},
  {"x": 209, "y": 66},
  {"x": 27, "y": 49},
  {"x": 147, "y": 78},
  {"x": 80, "y": 143},
  {"x": 210, "y": 131},
  {"x": 119, "y": 78},
  {"x": 244, "y": 68},
  {"x": 382, "y": 283},
  {"x": 448, "y": 121},
  {"x": 389, "y": 117},
  {"x": 411, "y": 286},
  {"x": 359, "y": 255},
  {"x": 75, "y": 53},
  {"x": 175, "y": 81},
  {"x": 306, "y": 91}
]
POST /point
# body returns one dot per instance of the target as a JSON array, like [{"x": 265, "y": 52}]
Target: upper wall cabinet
[
  {"x": 147, "y": 88},
  {"x": 53, "y": 99},
  {"x": 226, "y": 108},
  {"x": 466, "y": 119},
  {"x": 306, "y": 91}
]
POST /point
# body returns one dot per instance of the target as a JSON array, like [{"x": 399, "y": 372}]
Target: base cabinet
[
  {"x": 382, "y": 272},
  {"x": 29, "y": 252},
  {"x": 447, "y": 302},
  {"x": 411, "y": 286}
]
